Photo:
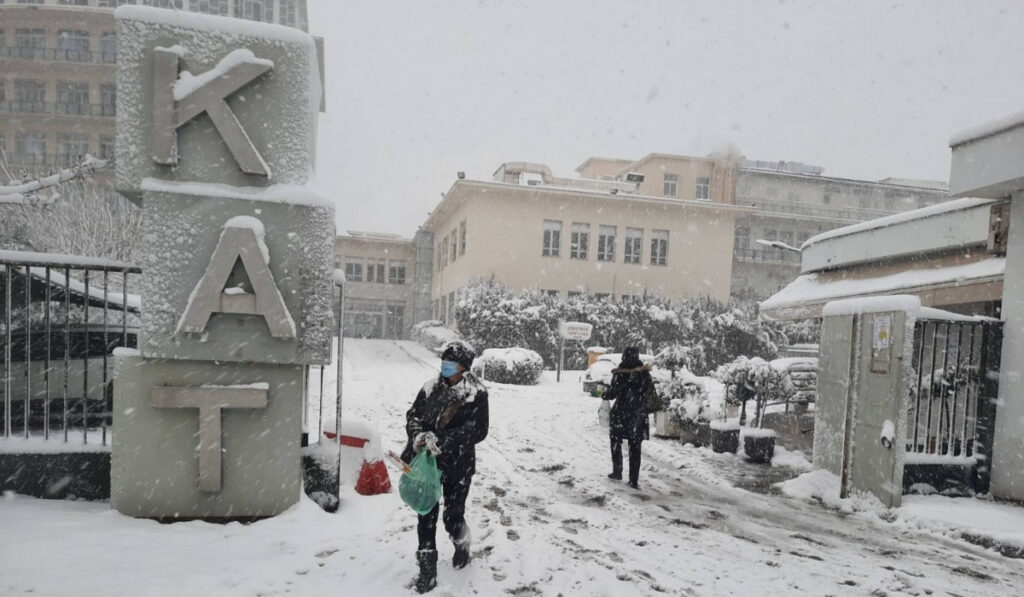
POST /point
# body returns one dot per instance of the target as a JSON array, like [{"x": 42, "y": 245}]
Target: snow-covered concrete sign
[{"x": 237, "y": 263}]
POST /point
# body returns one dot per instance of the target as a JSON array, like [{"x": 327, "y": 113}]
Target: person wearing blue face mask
[{"x": 449, "y": 417}]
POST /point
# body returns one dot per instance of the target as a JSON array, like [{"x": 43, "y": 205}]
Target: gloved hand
[{"x": 427, "y": 440}]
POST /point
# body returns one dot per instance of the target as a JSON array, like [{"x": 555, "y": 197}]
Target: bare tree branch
[{"x": 23, "y": 192}]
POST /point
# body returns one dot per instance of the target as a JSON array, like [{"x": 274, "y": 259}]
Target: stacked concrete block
[{"x": 216, "y": 132}]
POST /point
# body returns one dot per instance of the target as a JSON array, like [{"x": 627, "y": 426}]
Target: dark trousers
[
  {"x": 634, "y": 458},
  {"x": 455, "y": 492}
]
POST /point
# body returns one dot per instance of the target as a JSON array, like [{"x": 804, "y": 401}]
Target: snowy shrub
[
  {"x": 676, "y": 357},
  {"x": 520, "y": 366},
  {"x": 432, "y": 334},
  {"x": 755, "y": 377}
]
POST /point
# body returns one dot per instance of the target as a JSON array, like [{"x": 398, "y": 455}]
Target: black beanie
[{"x": 459, "y": 352}]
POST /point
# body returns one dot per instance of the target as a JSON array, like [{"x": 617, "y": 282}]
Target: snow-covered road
[{"x": 545, "y": 520}]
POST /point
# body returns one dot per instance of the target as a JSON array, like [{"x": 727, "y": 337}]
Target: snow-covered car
[{"x": 598, "y": 376}]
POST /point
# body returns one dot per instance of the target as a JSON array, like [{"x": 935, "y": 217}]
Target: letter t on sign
[
  {"x": 210, "y": 401},
  {"x": 176, "y": 101}
]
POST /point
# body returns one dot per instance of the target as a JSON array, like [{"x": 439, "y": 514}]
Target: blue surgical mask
[{"x": 449, "y": 368}]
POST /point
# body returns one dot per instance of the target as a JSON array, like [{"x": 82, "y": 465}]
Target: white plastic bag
[{"x": 604, "y": 412}]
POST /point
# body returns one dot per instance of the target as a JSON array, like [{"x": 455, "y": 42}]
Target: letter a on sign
[
  {"x": 240, "y": 242},
  {"x": 177, "y": 99}
]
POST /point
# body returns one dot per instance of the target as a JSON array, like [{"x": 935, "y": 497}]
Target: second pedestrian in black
[{"x": 631, "y": 383}]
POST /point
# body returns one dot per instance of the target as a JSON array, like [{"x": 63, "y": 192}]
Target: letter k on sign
[{"x": 179, "y": 99}]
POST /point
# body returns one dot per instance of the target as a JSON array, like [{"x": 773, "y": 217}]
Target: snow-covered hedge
[
  {"x": 432, "y": 334},
  {"x": 520, "y": 366},
  {"x": 705, "y": 333}
]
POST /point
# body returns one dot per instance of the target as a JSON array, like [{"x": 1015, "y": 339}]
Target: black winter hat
[{"x": 459, "y": 352}]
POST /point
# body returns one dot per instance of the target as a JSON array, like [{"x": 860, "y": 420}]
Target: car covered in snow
[{"x": 598, "y": 376}]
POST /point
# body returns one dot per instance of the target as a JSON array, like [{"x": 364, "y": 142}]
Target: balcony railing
[
  {"x": 59, "y": 108},
  {"x": 33, "y": 53},
  {"x": 850, "y": 214}
]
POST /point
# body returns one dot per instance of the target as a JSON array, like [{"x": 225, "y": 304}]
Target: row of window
[
  {"x": 579, "y": 243},
  {"x": 72, "y": 44},
  {"x": 29, "y": 95},
  {"x": 790, "y": 237},
  {"x": 253, "y": 10},
  {"x": 450, "y": 247},
  {"x": 30, "y": 149},
  {"x": 380, "y": 271},
  {"x": 670, "y": 186}
]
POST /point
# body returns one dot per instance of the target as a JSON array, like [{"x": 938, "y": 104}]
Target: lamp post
[{"x": 339, "y": 282}]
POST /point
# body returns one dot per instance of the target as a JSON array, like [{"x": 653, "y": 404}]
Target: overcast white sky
[{"x": 419, "y": 89}]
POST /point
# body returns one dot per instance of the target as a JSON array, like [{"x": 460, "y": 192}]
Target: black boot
[
  {"x": 427, "y": 580},
  {"x": 461, "y": 557}
]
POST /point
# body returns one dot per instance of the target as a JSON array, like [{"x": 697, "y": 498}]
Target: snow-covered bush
[
  {"x": 520, "y": 366},
  {"x": 432, "y": 334},
  {"x": 754, "y": 376}
]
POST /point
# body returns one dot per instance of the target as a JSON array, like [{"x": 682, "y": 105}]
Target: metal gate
[{"x": 955, "y": 383}]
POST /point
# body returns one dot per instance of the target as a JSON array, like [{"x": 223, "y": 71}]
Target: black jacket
[
  {"x": 466, "y": 428},
  {"x": 628, "y": 417}
]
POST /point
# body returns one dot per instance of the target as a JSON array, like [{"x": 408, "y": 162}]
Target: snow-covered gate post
[
  {"x": 216, "y": 126},
  {"x": 863, "y": 382}
]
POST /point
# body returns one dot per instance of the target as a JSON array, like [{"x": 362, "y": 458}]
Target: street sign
[{"x": 572, "y": 330}]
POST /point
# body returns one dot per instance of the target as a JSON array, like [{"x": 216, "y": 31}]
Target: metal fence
[
  {"x": 60, "y": 319},
  {"x": 952, "y": 401}
]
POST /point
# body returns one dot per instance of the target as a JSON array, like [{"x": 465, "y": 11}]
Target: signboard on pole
[{"x": 574, "y": 330}]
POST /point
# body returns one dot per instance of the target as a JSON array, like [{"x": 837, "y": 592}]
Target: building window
[
  {"x": 28, "y": 96},
  {"x": 627, "y": 298},
  {"x": 574, "y": 294},
  {"x": 670, "y": 185},
  {"x": 108, "y": 48},
  {"x": 353, "y": 271},
  {"x": 108, "y": 99},
  {"x": 113, "y": 3},
  {"x": 771, "y": 235},
  {"x": 579, "y": 241},
  {"x": 742, "y": 240},
  {"x": 75, "y": 2},
  {"x": 30, "y": 149},
  {"x": 454, "y": 247},
  {"x": 552, "y": 238},
  {"x": 634, "y": 242},
  {"x": 162, "y": 3},
  {"x": 210, "y": 7},
  {"x": 604, "y": 296},
  {"x": 786, "y": 236},
  {"x": 255, "y": 10},
  {"x": 396, "y": 272},
  {"x": 71, "y": 148},
  {"x": 375, "y": 271},
  {"x": 462, "y": 238},
  {"x": 606, "y": 243},
  {"x": 72, "y": 98},
  {"x": 703, "y": 187},
  {"x": 73, "y": 44},
  {"x": 659, "y": 247},
  {"x": 553, "y": 293},
  {"x": 3, "y": 91},
  {"x": 289, "y": 12},
  {"x": 29, "y": 43},
  {"x": 444, "y": 252},
  {"x": 451, "y": 308}
]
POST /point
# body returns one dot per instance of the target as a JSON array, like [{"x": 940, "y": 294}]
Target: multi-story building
[
  {"x": 662, "y": 225},
  {"x": 387, "y": 282},
  {"x": 793, "y": 203},
  {"x": 57, "y": 66},
  {"x": 665, "y": 225}
]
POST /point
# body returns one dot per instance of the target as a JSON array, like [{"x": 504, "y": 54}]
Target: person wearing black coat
[
  {"x": 449, "y": 417},
  {"x": 631, "y": 383}
]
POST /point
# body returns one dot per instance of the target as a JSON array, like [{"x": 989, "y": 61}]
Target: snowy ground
[{"x": 545, "y": 521}]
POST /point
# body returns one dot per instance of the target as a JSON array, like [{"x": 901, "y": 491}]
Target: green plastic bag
[{"x": 421, "y": 486}]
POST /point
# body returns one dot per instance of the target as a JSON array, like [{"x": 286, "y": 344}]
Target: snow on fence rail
[{"x": 61, "y": 316}]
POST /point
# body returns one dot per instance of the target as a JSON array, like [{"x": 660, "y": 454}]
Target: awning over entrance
[{"x": 943, "y": 286}]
